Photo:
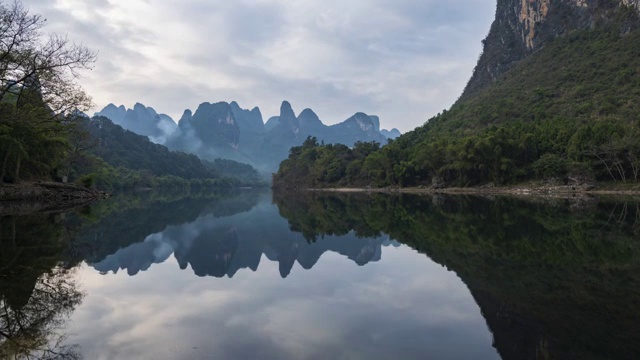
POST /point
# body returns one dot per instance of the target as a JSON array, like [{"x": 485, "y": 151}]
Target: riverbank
[
  {"x": 44, "y": 196},
  {"x": 533, "y": 189}
]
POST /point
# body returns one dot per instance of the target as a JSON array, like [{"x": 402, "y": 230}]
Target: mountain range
[{"x": 226, "y": 130}]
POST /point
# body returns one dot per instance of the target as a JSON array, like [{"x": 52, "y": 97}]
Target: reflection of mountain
[
  {"x": 557, "y": 280},
  {"x": 130, "y": 220},
  {"x": 221, "y": 247}
]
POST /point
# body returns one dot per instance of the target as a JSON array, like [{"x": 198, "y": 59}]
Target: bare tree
[
  {"x": 38, "y": 89},
  {"x": 48, "y": 67}
]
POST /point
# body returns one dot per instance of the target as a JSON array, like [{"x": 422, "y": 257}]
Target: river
[{"x": 253, "y": 275}]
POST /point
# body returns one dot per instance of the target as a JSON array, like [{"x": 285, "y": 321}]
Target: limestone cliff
[{"x": 523, "y": 26}]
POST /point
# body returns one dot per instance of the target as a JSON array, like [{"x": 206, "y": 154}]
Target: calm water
[{"x": 250, "y": 275}]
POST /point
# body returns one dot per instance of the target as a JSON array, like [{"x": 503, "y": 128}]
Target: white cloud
[{"x": 404, "y": 60}]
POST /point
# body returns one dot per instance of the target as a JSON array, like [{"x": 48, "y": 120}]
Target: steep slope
[
  {"x": 281, "y": 137},
  {"x": 391, "y": 134},
  {"x": 251, "y": 127},
  {"x": 211, "y": 132},
  {"x": 566, "y": 112},
  {"x": 119, "y": 147},
  {"x": 292, "y": 131},
  {"x": 142, "y": 120},
  {"x": 523, "y": 27},
  {"x": 360, "y": 127}
]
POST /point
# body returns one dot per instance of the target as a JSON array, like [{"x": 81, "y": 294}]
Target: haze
[{"x": 402, "y": 60}]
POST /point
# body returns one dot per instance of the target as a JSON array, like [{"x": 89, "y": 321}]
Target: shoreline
[
  {"x": 537, "y": 191},
  {"x": 28, "y": 198}
]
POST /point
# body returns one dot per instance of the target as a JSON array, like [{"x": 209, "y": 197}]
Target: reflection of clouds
[
  {"x": 336, "y": 310},
  {"x": 402, "y": 307}
]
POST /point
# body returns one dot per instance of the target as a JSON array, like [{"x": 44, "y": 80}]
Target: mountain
[
  {"x": 122, "y": 148},
  {"x": 228, "y": 131},
  {"x": 141, "y": 120},
  {"x": 391, "y": 134},
  {"x": 290, "y": 131},
  {"x": 211, "y": 132},
  {"x": 125, "y": 155},
  {"x": 251, "y": 128},
  {"x": 358, "y": 128},
  {"x": 523, "y": 27},
  {"x": 553, "y": 98},
  {"x": 271, "y": 123}
]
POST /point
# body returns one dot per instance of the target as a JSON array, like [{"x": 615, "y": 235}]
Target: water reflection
[
  {"x": 553, "y": 278},
  {"x": 549, "y": 278},
  {"x": 37, "y": 294},
  {"x": 213, "y": 246}
]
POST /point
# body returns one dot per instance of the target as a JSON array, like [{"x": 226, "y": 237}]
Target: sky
[{"x": 404, "y": 60}]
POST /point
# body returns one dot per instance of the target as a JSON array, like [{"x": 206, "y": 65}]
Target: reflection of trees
[
  {"x": 33, "y": 330},
  {"x": 552, "y": 277},
  {"x": 36, "y": 295},
  {"x": 121, "y": 221}
]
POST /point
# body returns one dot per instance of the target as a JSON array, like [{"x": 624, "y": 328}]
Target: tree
[
  {"x": 45, "y": 67},
  {"x": 38, "y": 89}
]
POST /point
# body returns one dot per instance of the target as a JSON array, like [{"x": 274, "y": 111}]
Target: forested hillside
[
  {"x": 569, "y": 112},
  {"x": 118, "y": 158}
]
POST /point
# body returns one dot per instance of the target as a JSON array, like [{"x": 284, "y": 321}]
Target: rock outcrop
[
  {"x": 522, "y": 27},
  {"x": 142, "y": 120}
]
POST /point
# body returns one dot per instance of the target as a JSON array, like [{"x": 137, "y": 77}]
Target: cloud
[{"x": 404, "y": 60}]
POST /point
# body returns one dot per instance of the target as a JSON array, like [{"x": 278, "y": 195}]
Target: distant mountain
[
  {"x": 287, "y": 131},
  {"x": 142, "y": 120},
  {"x": 226, "y": 130},
  {"x": 271, "y": 123},
  {"x": 360, "y": 127},
  {"x": 391, "y": 134},
  {"x": 252, "y": 129},
  {"x": 211, "y": 132},
  {"x": 119, "y": 147},
  {"x": 123, "y": 148}
]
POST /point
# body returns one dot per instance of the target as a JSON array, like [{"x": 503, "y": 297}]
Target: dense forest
[
  {"x": 573, "y": 120},
  {"x": 37, "y": 89},
  {"x": 44, "y": 135},
  {"x": 116, "y": 158}
]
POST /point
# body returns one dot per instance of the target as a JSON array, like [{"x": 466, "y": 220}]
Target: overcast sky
[{"x": 405, "y": 60}]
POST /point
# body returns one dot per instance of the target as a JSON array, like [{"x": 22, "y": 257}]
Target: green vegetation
[
  {"x": 120, "y": 159},
  {"x": 37, "y": 291},
  {"x": 37, "y": 91},
  {"x": 569, "y": 111}
]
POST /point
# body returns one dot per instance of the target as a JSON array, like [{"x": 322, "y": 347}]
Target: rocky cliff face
[
  {"x": 141, "y": 120},
  {"x": 523, "y": 26},
  {"x": 210, "y": 132},
  {"x": 228, "y": 131},
  {"x": 359, "y": 127}
]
